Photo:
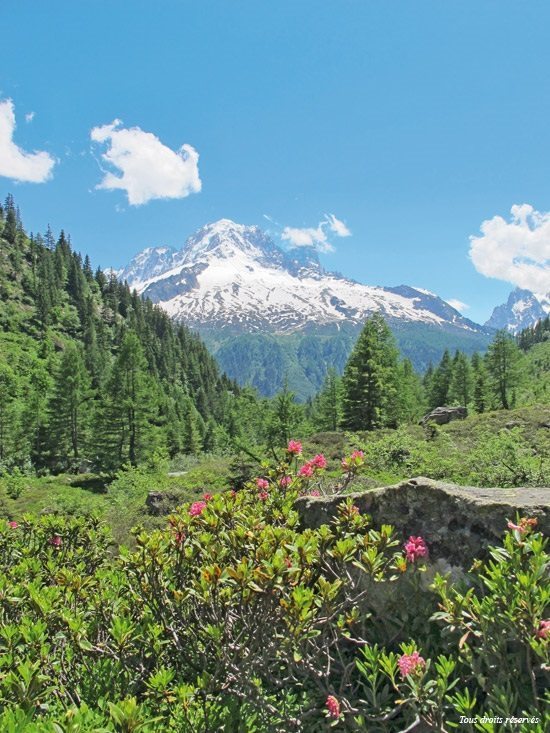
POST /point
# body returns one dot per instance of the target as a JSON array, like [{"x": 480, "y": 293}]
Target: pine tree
[
  {"x": 286, "y": 416},
  {"x": 503, "y": 366},
  {"x": 479, "y": 383},
  {"x": 8, "y": 394},
  {"x": 370, "y": 379},
  {"x": 128, "y": 418},
  {"x": 410, "y": 393},
  {"x": 441, "y": 381},
  {"x": 328, "y": 408},
  {"x": 70, "y": 406},
  {"x": 460, "y": 388}
]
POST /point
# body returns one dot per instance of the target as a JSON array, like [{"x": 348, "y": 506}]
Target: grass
[{"x": 496, "y": 448}]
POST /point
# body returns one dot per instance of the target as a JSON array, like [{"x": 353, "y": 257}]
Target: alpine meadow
[{"x": 274, "y": 368}]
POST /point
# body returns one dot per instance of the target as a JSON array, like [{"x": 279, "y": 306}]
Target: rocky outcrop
[
  {"x": 444, "y": 415},
  {"x": 163, "y": 502},
  {"x": 457, "y": 522}
]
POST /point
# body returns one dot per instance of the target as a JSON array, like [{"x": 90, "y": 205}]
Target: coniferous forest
[{"x": 154, "y": 571}]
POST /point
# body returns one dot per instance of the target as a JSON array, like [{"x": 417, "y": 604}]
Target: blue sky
[{"x": 412, "y": 122}]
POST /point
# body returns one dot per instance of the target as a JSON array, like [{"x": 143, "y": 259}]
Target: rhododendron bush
[{"x": 235, "y": 618}]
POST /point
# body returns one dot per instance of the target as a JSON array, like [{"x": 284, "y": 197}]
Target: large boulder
[
  {"x": 444, "y": 415},
  {"x": 457, "y": 522}
]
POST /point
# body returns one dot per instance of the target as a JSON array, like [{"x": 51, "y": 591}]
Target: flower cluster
[
  {"x": 526, "y": 524},
  {"x": 294, "y": 447},
  {"x": 410, "y": 664},
  {"x": 543, "y": 631},
  {"x": 56, "y": 541},
  {"x": 333, "y": 706},
  {"x": 317, "y": 463},
  {"x": 262, "y": 484},
  {"x": 197, "y": 508},
  {"x": 13, "y": 525},
  {"x": 415, "y": 547},
  {"x": 353, "y": 461}
]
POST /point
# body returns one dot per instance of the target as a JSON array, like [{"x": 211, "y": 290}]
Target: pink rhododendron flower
[
  {"x": 306, "y": 470},
  {"x": 232, "y": 493},
  {"x": 294, "y": 447},
  {"x": 319, "y": 461},
  {"x": 262, "y": 483},
  {"x": 285, "y": 481},
  {"x": 410, "y": 664},
  {"x": 543, "y": 631},
  {"x": 13, "y": 525},
  {"x": 207, "y": 497},
  {"x": 56, "y": 541},
  {"x": 333, "y": 706},
  {"x": 415, "y": 547},
  {"x": 263, "y": 495},
  {"x": 353, "y": 461},
  {"x": 315, "y": 492},
  {"x": 525, "y": 524},
  {"x": 197, "y": 508}
]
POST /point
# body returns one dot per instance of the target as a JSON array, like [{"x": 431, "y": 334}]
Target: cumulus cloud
[
  {"x": 145, "y": 168},
  {"x": 316, "y": 236},
  {"x": 458, "y": 305},
  {"x": 29, "y": 117},
  {"x": 517, "y": 250},
  {"x": 15, "y": 162}
]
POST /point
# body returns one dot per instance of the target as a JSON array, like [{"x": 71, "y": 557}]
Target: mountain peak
[{"x": 522, "y": 309}]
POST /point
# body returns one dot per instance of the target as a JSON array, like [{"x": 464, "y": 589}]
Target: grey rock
[
  {"x": 444, "y": 415},
  {"x": 159, "y": 503},
  {"x": 457, "y": 522}
]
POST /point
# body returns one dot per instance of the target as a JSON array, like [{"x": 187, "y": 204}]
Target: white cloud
[
  {"x": 29, "y": 117},
  {"x": 16, "y": 163},
  {"x": 457, "y": 304},
  {"x": 337, "y": 226},
  {"x": 517, "y": 251},
  {"x": 148, "y": 169},
  {"x": 316, "y": 236},
  {"x": 307, "y": 237}
]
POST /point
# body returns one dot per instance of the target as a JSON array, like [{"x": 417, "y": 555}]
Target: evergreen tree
[
  {"x": 327, "y": 411},
  {"x": 410, "y": 393},
  {"x": 370, "y": 379},
  {"x": 128, "y": 419},
  {"x": 8, "y": 393},
  {"x": 441, "y": 381},
  {"x": 479, "y": 383},
  {"x": 70, "y": 406},
  {"x": 503, "y": 366},
  {"x": 460, "y": 388},
  {"x": 9, "y": 231},
  {"x": 285, "y": 418}
]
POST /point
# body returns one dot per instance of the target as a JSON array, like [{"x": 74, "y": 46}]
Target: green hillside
[{"x": 90, "y": 372}]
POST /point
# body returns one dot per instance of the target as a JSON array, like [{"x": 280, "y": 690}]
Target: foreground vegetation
[{"x": 231, "y": 617}]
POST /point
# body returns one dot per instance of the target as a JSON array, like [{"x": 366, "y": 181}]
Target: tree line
[
  {"x": 378, "y": 389},
  {"x": 89, "y": 371}
]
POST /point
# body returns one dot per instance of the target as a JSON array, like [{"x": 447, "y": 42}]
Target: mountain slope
[{"x": 230, "y": 281}]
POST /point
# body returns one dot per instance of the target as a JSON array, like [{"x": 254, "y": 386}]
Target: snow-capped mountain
[
  {"x": 270, "y": 315},
  {"x": 231, "y": 276},
  {"x": 522, "y": 309}
]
